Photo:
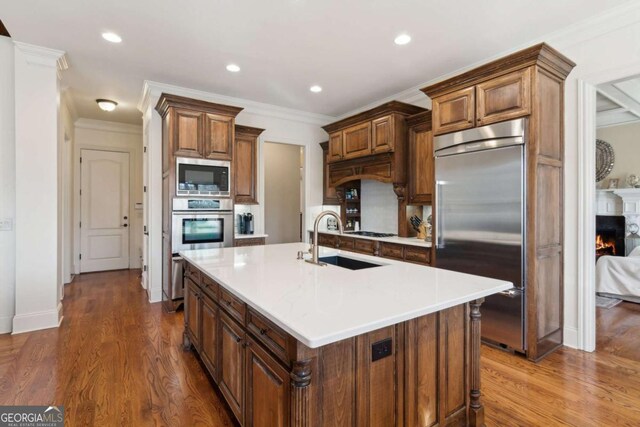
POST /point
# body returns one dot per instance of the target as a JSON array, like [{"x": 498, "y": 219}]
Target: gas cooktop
[{"x": 370, "y": 234}]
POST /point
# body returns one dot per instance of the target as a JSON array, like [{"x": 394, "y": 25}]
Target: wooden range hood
[{"x": 371, "y": 145}]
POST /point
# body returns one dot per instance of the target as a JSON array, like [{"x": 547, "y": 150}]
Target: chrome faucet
[{"x": 314, "y": 244}]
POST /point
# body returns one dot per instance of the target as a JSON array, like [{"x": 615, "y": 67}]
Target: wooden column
[
  {"x": 300, "y": 380},
  {"x": 476, "y": 409}
]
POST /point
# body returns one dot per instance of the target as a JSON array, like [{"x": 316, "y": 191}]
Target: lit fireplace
[
  {"x": 610, "y": 234},
  {"x": 605, "y": 245}
]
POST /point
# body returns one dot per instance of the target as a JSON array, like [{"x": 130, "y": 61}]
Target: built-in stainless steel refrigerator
[{"x": 480, "y": 218}]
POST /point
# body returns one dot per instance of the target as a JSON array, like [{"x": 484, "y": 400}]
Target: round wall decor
[{"x": 604, "y": 159}]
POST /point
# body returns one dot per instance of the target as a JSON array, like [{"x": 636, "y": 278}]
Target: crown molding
[
  {"x": 106, "y": 126},
  {"x": 151, "y": 92},
  {"x": 43, "y": 56}
]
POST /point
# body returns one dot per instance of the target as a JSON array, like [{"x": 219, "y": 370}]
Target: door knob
[
  {"x": 126, "y": 217},
  {"x": 125, "y": 225}
]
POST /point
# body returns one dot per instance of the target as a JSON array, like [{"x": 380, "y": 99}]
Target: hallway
[{"x": 117, "y": 360}]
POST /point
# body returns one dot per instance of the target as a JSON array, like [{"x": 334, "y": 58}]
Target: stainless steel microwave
[{"x": 202, "y": 177}]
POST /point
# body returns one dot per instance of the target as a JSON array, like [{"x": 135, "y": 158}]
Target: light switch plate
[{"x": 6, "y": 224}]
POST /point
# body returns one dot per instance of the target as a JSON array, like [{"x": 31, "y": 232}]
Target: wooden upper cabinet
[
  {"x": 245, "y": 165},
  {"x": 335, "y": 147},
  {"x": 187, "y": 133},
  {"x": 504, "y": 98},
  {"x": 356, "y": 141},
  {"x": 382, "y": 135},
  {"x": 218, "y": 137},
  {"x": 421, "y": 175},
  {"x": 329, "y": 194},
  {"x": 454, "y": 111},
  {"x": 268, "y": 387}
]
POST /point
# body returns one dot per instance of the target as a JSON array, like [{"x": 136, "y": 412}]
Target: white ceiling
[
  {"x": 618, "y": 102},
  {"x": 282, "y": 46}
]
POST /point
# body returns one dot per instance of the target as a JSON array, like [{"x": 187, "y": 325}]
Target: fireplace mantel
[{"x": 620, "y": 201}]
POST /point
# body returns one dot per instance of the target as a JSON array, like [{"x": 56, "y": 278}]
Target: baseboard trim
[
  {"x": 6, "y": 324},
  {"x": 37, "y": 321},
  {"x": 571, "y": 337},
  {"x": 155, "y": 295}
]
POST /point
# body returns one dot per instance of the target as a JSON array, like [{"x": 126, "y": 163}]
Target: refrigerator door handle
[{"x": 438, "y": 222}]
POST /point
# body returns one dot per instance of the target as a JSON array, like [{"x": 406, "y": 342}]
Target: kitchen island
[{"x": 290, "y": 343}]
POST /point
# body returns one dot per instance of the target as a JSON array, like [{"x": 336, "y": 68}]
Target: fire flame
[{"x": 604, "y": 247}]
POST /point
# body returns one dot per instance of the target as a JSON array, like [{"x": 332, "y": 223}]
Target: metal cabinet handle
[
  {"x": 238, "y": 339},
  {"x": 125, "y": 225},
  {"x": 263, "y": 331},
  {"x": 509, "y": 293}
]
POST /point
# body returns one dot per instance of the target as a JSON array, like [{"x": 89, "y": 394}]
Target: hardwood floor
[
  {"x": 117, "y": 360},
  {"x": 570, "y": 387}
]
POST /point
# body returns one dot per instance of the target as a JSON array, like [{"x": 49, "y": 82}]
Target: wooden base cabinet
[
  {"x": 268, "y": 388},
  {"x": 422, "y": 372},
  {"x": 232, "y": 345}
]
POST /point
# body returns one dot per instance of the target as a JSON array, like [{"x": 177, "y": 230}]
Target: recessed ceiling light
[
  {"x": 402, "y": 39},
  {"x": 106, "y": 104},
  {"x": 233, "y": 68},
  {"x": 315, "y": 89},
  {"x": 112, "y": 37}
]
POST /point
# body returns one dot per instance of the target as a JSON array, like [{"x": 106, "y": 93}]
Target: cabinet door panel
[
  {"x": 188, "y": 133},
  {"x": 329, "y": 194},
  {"x": 218, "y": 140},
  {"x": 382, "y": 135},
  {"x": 245, "y": 166},
  {"x": 454, "y": 111},
  {"x": 504, "y": 98},
  {"x": 192, "y": 311},
  {"x": 421, "y": 167},
  {"x": 356, "y": 141},
  {"x": 210, "y": 335},
  {"x": 335, "y": 147},
  {"x": 231, "y": 379},
  {"x": 267, "y": 390}
]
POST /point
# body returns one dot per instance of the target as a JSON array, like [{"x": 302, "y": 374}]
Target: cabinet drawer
[
  {"x": 254, "y": 241},
  {"x": 209, "y": 287},
  {"x": 192, "y": 273},
  {"x": 417, "y": 254},
  {"x": 365, "y": 246},
  {"x": 391, "y": 250},
  {"x": 346, "y": 243},
  {"x": 328, "y": 240},
  {"x": 232, "y": 305},
  {"x": 274, "y": 338}
]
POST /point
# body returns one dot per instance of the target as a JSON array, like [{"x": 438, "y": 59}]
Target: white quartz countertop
[
  {"x": 322, "y": 305},
  {"x": 251, "y": 236},
  {"x": 394, "y": 239}
]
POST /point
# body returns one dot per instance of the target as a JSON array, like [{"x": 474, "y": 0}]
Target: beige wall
[
  {"x": 282, "y": 192},
  {"x": 625, "y": 140}
]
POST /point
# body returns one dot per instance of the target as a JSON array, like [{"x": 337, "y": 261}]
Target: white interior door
[{"x": 104, "y": 210}]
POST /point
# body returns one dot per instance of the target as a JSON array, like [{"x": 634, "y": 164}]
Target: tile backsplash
[{"x": 379, "y": 207}]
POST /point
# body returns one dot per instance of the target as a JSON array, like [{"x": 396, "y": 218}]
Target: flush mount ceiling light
[
  {"x": 402, "y": 39},
  {"x": 106, "y": 104},
  {"x": 111, "y": 37},
  {"x": 233, "y": 68},
  {"x": 315, "y": 89}
]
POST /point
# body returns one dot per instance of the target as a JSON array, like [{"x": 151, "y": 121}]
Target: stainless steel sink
[{"x": 349, "y": 263}]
